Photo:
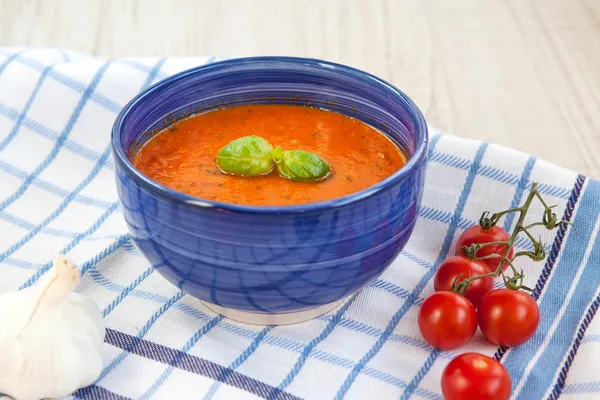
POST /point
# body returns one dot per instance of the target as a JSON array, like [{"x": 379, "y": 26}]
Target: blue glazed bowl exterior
[{"x": 271, "y": 259}]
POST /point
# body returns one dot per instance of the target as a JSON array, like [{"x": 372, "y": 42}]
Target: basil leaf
[
  {"x": 302, "y": 166},
  {"x": 247, "y": 156},
  {"x": 277, "y": 154}
]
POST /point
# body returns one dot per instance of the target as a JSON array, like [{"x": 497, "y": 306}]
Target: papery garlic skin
[{"x": 50, "y": 338}]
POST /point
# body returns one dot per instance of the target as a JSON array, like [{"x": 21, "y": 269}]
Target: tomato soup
[{"x": 182, "y": 157}]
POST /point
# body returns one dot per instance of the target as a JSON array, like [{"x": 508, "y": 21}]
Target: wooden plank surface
[{"x": 522, "y": 73}]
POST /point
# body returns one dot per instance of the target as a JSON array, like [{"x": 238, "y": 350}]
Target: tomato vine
[{"x": 549, "y": 220}]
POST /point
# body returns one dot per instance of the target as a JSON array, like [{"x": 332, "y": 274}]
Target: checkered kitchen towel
[{"x": 57, "y": 194}]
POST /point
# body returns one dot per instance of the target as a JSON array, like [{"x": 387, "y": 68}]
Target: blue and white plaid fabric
[{"x": 57, "y": 194}]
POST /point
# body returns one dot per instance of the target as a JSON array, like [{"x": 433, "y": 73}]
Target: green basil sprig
[
  {"x": 253, "y": 155},
  {"x": 300, "y": 165},
  {"x": 246, "y": 156}
]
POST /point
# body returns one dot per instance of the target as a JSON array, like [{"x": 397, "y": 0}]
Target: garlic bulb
[{"x": 50, "y": 339}]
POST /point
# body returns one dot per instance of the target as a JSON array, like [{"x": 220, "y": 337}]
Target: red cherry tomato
[
  {"x": 473, "y": 376},
  {"x": 476, "y": 234},
  {"x": 508, "y": 317},
  {"x": 454, "y": 266},
  {"x": 447, "y": 320}
]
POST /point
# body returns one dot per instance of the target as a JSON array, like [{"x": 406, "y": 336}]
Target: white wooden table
[{"x": 522, "y": 73}]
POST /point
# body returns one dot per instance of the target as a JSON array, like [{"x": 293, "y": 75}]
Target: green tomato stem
[{"x": 549, "y": 220}]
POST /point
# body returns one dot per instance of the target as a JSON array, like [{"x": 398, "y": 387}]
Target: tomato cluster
[{"x": 448, "y": 320}]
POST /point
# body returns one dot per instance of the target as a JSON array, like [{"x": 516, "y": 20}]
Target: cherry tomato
[
  {"x": 476, "y": 234},
  {"x": 508, "y": 317},
  {"x": 473, "y": 376},
  {"x": 447, "y": 320},
  {"x": 451, "y": 267}
]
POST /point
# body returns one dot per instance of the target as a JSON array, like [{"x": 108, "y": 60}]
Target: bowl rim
[{"x": 162, "y": 190}]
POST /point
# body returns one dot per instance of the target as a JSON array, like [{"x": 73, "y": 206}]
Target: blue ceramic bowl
[{"x": 246, "y": 261}]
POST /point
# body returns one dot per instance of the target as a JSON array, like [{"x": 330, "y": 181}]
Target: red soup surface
[{"x": 183, "y": 156}]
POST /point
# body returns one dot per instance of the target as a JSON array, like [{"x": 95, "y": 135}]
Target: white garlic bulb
[{"x": 50, "y": 338}]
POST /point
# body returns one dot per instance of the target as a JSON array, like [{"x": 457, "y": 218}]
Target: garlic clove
[{"x": 51, "y": 338}]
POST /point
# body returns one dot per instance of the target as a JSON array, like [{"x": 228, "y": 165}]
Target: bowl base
[{"x": 274, "y": 319}]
